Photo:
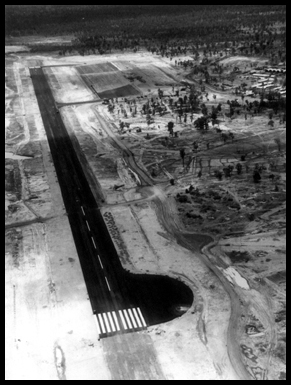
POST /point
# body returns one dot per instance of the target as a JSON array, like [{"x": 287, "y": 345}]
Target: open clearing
[
  {"x": 105, "y": 81},
  {"x": 243, "y": 60},
  {"x": 67, "y": 86},
  {"x": 236, "y": 327}
]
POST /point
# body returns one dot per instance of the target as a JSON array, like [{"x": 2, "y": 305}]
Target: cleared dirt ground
[{"x": 225, "y": 239}]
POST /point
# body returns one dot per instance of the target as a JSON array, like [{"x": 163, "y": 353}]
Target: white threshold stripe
[
  {"x": 113, "y": 328},
  {"x": 102, "y": 324},
  {"x": 83, "y": 211},
  {"x": 127, "y": 319},
  {"x": 88, "y": 226},
  {"x": 94, "y": 243},
  {"x": 123, "y": 321},
  {"x": 141, "y": 317},
  {"x": 107, "y": 283},
  {"x": 116, "y": 320},
  {"x": 100, "y": 262},
  {"x": 106, "y": 323},
  {"x": 97, "y": 325},
  {"x": 132, "y": 318},
  {"x": 137, "y": 318}
]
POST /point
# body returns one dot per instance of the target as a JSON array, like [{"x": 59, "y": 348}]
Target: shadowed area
[{"x": 111, "y": 289}]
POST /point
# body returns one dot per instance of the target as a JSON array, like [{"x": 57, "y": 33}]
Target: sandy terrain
[
  {"x": 67, "y": 85},
  {"x": 48, "y": 319},
  {"x": 242, "y": 60},
  {"x": 16, "y": 48},
  {"x": 235, "y": 328}
]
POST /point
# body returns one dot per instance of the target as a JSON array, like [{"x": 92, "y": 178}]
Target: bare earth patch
[{"x": 236, "y": 327}]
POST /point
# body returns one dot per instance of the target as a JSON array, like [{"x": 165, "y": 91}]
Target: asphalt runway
[{"x": 121, "y": 302}]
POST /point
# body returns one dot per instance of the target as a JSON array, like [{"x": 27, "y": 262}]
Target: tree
[
  {"x": 218, "y": 175},
  {"x": 284, "y": 118},
  {"x": 214, "y": 115},
  {"x": 153, "y": 173},
  {"x": 224, "y": 137},
  {"x": 239, "y": 168},
  {"x": 257, "y": 176},
  {"x": 278, "y": 142},
  {"x": 202, "y": 123},
  {"x": 204, "y": 110},
  {"x": 171, "y": 128},
  {"x": 183, "y": 154}
]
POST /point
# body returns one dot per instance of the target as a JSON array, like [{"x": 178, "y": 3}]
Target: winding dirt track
[
  {"x": 173, "y": 225},
  {"x": 127, "y": 154},
  {"x": 168, "y": 216},
  {"x": 118, "y": 298}
]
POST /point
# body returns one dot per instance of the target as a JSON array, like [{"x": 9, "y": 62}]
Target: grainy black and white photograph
[{"x": 145, "y": 192}]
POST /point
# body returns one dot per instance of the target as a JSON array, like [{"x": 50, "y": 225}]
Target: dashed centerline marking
[
  {"x": 100, "y": 262},
  {"x": 83, "y": 211},
  {"x": 94, "y": 243},
  {"x": 88, "y": 226},
  {"x": 107, "y": 283}
]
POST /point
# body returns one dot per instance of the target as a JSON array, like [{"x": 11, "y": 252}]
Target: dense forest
[
  {"x": 163, "y": 29},
  {"x": 146, "y": 20}
]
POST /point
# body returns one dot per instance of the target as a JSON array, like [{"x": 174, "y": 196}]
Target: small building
[
  {"x": 260, "y": 75},
  {"x": 227, "y": 85},
  {"x": 276, "y": 70},
  {"x": 277, "y": 89},
  {"x": 268, "y": 85}
]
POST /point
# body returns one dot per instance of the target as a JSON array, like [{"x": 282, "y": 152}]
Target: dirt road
[{"x": 172, "y": 224}]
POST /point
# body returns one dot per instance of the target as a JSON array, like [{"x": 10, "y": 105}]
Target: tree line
[{"x": 164, "y": 22}]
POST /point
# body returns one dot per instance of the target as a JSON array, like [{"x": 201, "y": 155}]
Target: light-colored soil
[
  {"x": 50, "y": 328},
  {"x": 239, "y": 60},
  {"x": 16, "y": 48},
  {"x": 50, "y": 333},
  {"x": 67, "y": 85}
]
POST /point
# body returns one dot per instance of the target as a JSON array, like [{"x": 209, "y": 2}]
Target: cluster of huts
[{"x": 267, "y": 80}]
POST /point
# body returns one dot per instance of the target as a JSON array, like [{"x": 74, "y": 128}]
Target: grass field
[
  {"x": 119, "y": 92},
  {"x": 145, "y": 19},
  {"x": 151, "y": 74},
  {"x": 110, "y": 82},
  {"x": 106, "y": 81},
  {"x": 96, "y": 68}
]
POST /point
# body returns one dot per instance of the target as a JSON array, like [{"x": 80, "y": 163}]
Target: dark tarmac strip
[
  {"x": 99, "y": 260},
  {"x": 121, "y": 302}
]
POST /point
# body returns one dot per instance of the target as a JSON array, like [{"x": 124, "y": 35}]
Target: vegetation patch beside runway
[{"x": 120, "y": 92}]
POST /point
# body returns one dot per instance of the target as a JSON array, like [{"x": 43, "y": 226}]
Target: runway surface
[{"x": 121, "y": 302}]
